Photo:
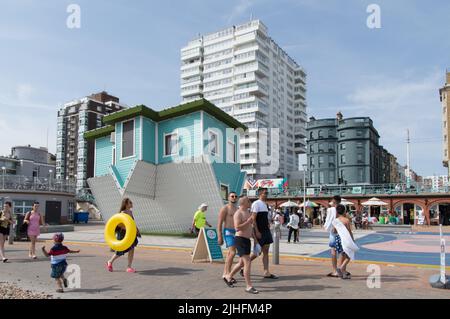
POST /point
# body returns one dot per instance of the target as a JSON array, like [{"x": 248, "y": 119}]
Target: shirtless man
[
  {"x": 243, "y": 222},
  {"x": 226, "y": 220}
]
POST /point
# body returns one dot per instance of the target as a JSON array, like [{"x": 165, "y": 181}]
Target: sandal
[
  {"x": 252, "y": 290},
  {"x": 229, "y": 283},
  {"x": 332, "y": 275},
  {"x": 5, "y": 260},
  {"x": 60, "y": 290},
  {"x": 346, "y": 276},
  {"x": 339, "y": 273},
  {"x": 109, "y": 266},
  {"x": 271, "y": 276}
]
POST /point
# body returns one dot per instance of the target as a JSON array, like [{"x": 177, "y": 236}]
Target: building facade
[
  {"x": 444, "y": 95},
  {"x": 435, "y": 182},
  {"x": 29, "y": 162},
  {"x": 188, "y": 153},
  {"x": 28, "y": 175},
  {"x": 346, "y": 151},
  {"x": 245, "y": 73},
  {"x": 74, "y": 155}
]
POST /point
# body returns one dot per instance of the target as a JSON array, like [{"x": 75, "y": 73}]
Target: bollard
[
  {"x": 276, "y": 245},
  {"x": 11, "y": 234}
]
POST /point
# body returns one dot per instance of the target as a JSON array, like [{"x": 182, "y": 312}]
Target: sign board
[
  {"x": 280, "y": 183},
  {"x": 357, "y": 190},
  {"x": 207, "y": 247},
  {"x": 310, "y": 191}
]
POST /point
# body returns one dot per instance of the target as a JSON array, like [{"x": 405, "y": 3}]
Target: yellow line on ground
[{"x": 283, "y": 256}]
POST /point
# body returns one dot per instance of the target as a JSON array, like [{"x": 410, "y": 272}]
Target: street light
[
  {"x": 304, "y": 188},
  {"x": 50, "y": 173},
  {"x": 4, "y": 172}
]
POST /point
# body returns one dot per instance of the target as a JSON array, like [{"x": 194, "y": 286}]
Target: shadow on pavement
[
  {"x": 291, "y": 277},
  {"x": 94, "y": 290},
  {"x": 294, "y": 288},
  {"x": 170, "y": 271}
]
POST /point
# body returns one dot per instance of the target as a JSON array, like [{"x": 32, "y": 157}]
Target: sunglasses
[{"x": 233, "y": 196}]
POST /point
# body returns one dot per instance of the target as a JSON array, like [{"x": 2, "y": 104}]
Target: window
[
  {"x": 342, "y": 134},
  {"x": 360, "y": 158},
  {"x": 330, "y": 133},
  {"x": 359, "y": 133},
  {"x": 360, "y": 175},
  {"x": 343, "y": 146},
  {"x": 22, "y": 206},
  {"x": 171, "y": 144},
  {"x": 311, "y": 136},
  {"x": 231, "y": 152},
  {"x": 332, "y": 177},
  {"x": 213, "y": 143},
  {"x": 342, "y": 159},
  {"x": 320, "y": 147},
  {"x": 224, "y": 191},
  {"x": 359, "y": 145},
  {"x": 321, "y": 160},
  {"x": 320, "y": 134},
  {"x": 321, "y": 177},
  {"x": 128, "y": 139}
]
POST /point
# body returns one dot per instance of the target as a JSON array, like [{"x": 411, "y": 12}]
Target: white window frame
[
  {"x": 176, "y": 145},
  {"x": 217, "y": 154},
  {"x": 234, "y": 152},
  {"x": 228, "y": 188},
  {"x": 134, "y": 140}
]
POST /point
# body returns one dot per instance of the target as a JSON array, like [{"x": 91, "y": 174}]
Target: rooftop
[{"x": 182, "y": 109}]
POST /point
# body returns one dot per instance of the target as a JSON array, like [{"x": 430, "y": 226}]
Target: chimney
[
  {"x": 339, "y": 116},
  {"x": 448, "y": 77}
]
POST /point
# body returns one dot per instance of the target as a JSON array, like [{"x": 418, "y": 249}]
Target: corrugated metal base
[{"x": 164, "y": 197}]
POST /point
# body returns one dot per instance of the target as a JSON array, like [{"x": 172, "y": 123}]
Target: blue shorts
[
  {"x": 335, "y": 242},
  {"x": 228, "y": 237},
  {"x": 58, "y": 269}
]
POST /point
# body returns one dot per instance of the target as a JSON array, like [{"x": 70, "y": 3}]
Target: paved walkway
[{"x": 170, "y": 274}]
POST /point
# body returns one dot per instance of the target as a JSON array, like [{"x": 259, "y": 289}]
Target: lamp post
[
  {"x": 4, "y": 172},
  {"x": 304, "y": 189},
  {"x": 50, "y": 175}
]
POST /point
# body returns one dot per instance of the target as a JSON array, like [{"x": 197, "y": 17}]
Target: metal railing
[
  {"x": 27, "y": 183},
  {"x": 351, "y": 190}
]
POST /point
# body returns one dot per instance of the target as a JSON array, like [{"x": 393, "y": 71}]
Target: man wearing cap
[{"x": 200, "y": 218}]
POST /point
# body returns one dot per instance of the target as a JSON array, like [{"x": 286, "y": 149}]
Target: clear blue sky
[{"x": 131, "y": 49}]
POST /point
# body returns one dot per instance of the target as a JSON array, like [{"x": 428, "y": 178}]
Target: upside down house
[{"x": 167, "y": 163}]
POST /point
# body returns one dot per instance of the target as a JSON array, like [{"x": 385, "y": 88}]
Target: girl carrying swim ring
[{"x": 125, "y": 208}]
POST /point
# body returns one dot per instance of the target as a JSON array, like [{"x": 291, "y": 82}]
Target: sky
[{"x": 131, "y": 49}]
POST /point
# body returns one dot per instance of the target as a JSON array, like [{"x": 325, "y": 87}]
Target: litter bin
[
  {"x": 20, "y": 234},
  {"x": 80, "y": 217}
]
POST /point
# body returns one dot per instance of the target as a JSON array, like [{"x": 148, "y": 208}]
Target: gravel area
[{"x": 12, "y": 291}]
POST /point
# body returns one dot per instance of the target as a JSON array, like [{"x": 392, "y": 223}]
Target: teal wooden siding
[
  {"x": 123, "y": 166},
  {"x": 103, "y": 155},
  {"x": 148, "y": 143},
  {"x": 229, "y": 174},
  {"x": 189, "y": 137},
  {"x": 217, "y": 126}
]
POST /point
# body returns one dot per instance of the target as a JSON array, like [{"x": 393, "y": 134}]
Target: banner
[{"x": 279, "y": 183}]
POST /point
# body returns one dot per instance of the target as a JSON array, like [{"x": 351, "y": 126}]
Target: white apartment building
[
  {"x": 245, "y": 73},
  {"x": 436, "y": 181}
]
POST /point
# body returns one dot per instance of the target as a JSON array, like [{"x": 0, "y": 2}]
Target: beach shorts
[
  {"x": 266, "y": 238},
  {"x": 243, "y": 245},
  {"x": 58, "y": 269},
  {"x": 336, "y": 243},
  {"x": 228, "y": 237}
]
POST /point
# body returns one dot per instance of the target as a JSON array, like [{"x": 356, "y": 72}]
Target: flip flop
[
  {"x": 272, "y": 276},
  {"x": 229, "y": 283},
  {"x": 5, "y": 260},
  {"x": 331, "y": 275}
]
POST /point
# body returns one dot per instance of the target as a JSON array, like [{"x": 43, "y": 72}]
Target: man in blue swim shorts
[{"x": 226, "y": 231}]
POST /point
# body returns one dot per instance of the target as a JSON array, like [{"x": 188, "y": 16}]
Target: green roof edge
[{"x": 100, "y": 132}]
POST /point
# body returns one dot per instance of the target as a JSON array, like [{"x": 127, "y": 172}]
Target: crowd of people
[{"x": 244, "y": 227}]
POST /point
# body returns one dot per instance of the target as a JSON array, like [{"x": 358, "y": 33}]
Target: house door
[{"x": 53, "y": 212}]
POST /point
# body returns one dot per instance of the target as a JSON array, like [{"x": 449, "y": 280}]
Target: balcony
[{"x": 28, "y": 183}]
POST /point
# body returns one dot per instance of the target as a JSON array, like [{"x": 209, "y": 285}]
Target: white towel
[
  {"x": 348, "y": 245},
  {"x": 331, "y": 215}
]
